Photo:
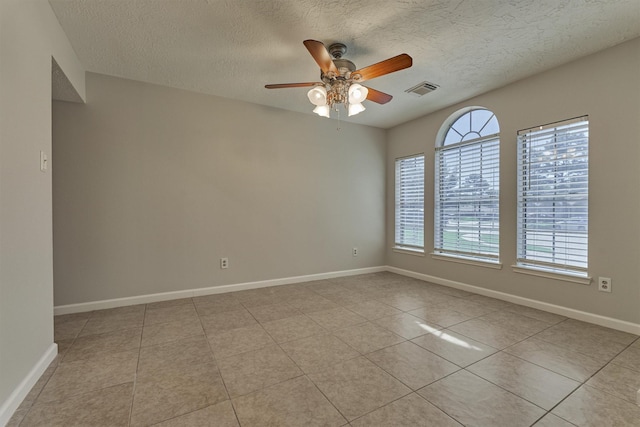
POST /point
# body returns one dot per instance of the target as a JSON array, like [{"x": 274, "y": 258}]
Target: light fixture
[
  {"x": 355, "y": 109},
  {"x": 318, "y": 95},
  {"x": 357, "y": 93},
  {"x": 338, "y": 91},
  {"x": 322, "y": 110}
]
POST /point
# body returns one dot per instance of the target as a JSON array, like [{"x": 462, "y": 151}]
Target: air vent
[{"x": 422, "y": 88}]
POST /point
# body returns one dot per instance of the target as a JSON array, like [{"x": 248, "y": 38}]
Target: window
[
  {"x": 553, "y": 189},
  {"x": 410, "y": 203},
  {"x": 466, "y": 217}
]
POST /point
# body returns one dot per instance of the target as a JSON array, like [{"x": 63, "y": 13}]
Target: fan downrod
[{"x": 337, "y": 50}]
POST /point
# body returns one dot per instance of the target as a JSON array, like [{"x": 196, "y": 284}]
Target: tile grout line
[
  {"x": 581, "y": 383},
  {"x": 135, "y": 375},
  {"x": 330, "y": 332},
  {"x": 371, "y": 321},
  {"x": 497, "y": 385},
  {"x": 502, "y": 351},
  {"x": 55, "y": 368},
  {"x": 304, "y": 374},
  {"x": 215, "y": 359},
  {"x": 327, "y": 398}
]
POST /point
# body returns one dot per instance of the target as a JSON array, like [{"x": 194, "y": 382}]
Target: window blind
[
  {"x": 409, "y": 225},
  {"x": 467, "y": 199},
  {"x": 553, "y": 195}
]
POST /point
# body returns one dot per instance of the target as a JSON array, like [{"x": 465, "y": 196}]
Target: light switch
[{"x": 44, "y": 162}]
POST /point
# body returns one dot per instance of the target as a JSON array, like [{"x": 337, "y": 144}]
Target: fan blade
[
  {"x": 387, "y": 66},
  {"x": 283, "y": 85},
  {"x": 321, "y": 55},
  {"x": 377, "y": 96}
]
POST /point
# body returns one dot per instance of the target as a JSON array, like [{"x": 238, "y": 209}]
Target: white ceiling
[{"x": 232, "y": 48}]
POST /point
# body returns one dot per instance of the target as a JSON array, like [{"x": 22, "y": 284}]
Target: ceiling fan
[{"x": 341, "y": 80}]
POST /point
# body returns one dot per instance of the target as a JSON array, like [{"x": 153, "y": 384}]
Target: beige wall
[
  {"x": 29, "y": 36},
  {"x": 606, "y": 86},
  {"x": 153, "y": 185}
]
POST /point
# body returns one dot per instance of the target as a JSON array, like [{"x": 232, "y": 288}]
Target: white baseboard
[
  {"x": 165, "y": 296},
  {"x": 10, "y": 405},
  {"x": 609, "y": 322}
]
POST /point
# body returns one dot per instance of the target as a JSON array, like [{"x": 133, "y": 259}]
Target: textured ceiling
[{"x": 232, "y": 48}]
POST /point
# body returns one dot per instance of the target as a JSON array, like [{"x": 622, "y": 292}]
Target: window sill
[
  {"x": 401, "y": 250},
  {"x": 468, "y": 261},
  {"x": 566, "y": 277}
]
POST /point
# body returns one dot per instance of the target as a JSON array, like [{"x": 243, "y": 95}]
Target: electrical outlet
[
  {"x": 355, "y": 252},
  {"x": 604, "y": 284},
  {"x": 224, "y": 262}
]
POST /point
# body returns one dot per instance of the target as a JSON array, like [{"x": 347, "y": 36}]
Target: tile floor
[{"x": 370, "y": 350}]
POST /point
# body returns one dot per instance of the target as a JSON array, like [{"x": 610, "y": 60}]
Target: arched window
[{"x": 467, "y": 186}]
